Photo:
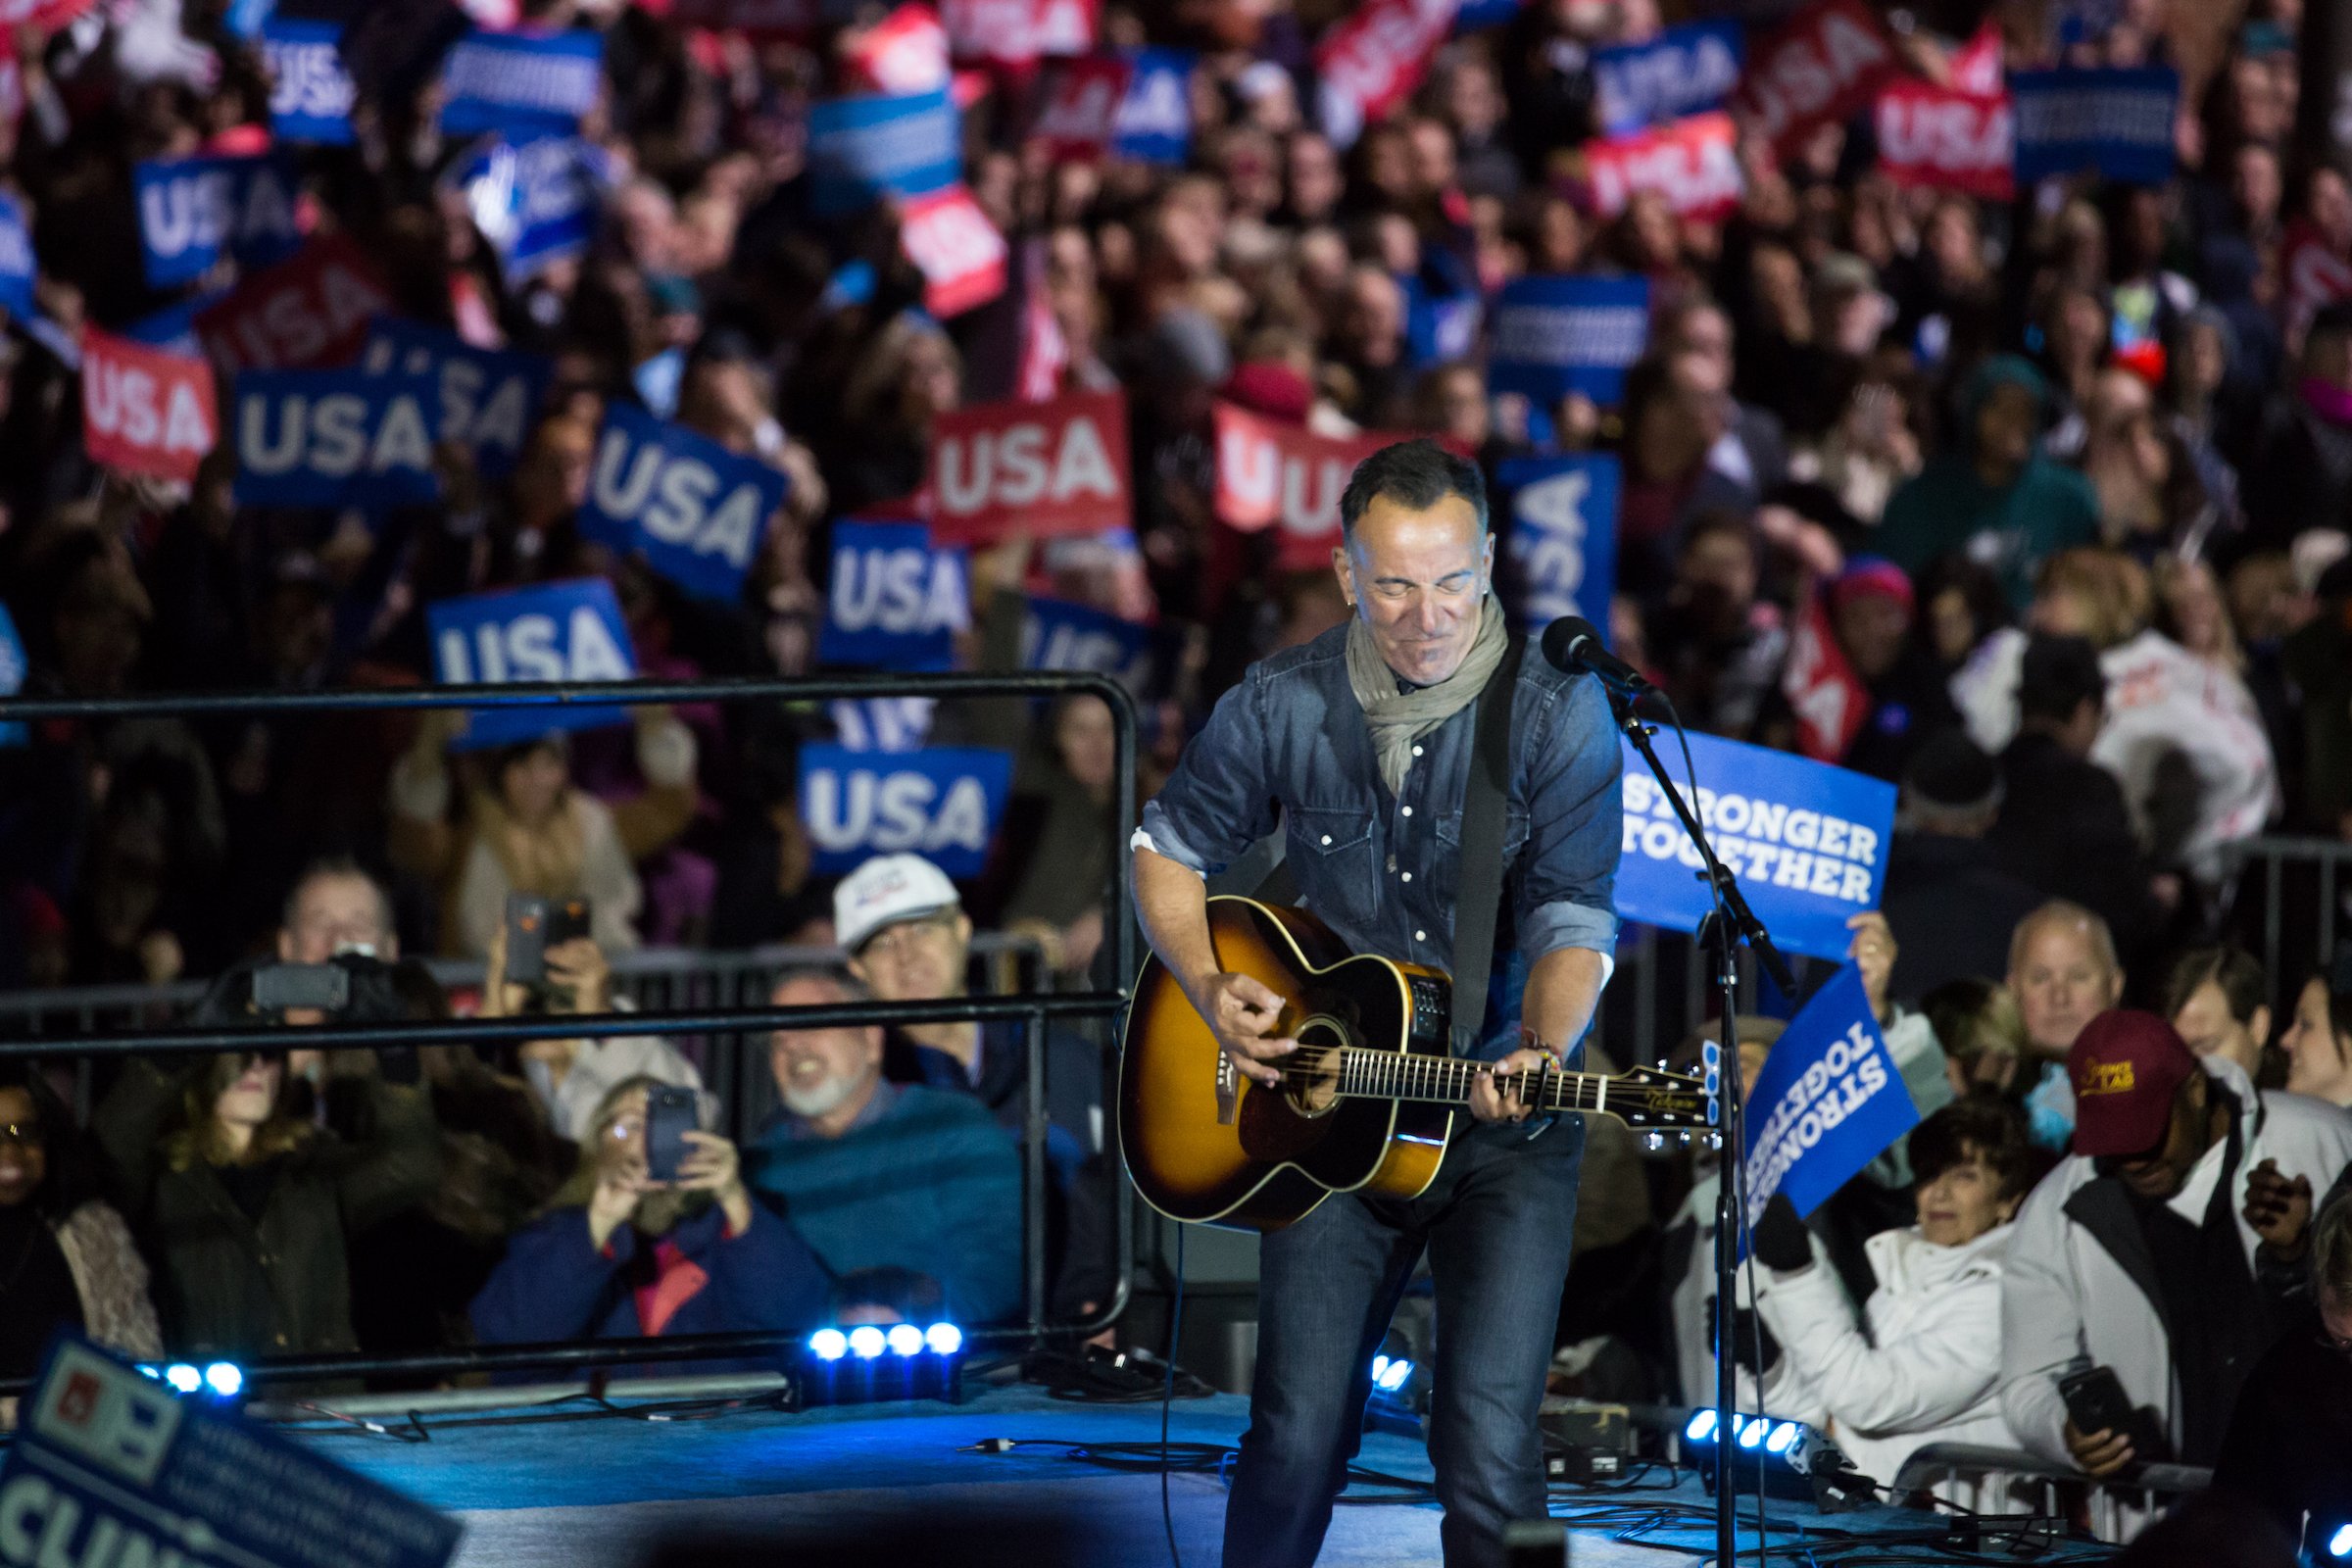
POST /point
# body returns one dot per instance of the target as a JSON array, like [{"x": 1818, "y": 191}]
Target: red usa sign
[
  {"x": 145, "y": 411},
  {"x": 958, "y": 250},
  {"x": 1275, "y": 476},
  {"x": 1046, "y": 469},
  {"x": 1692, "y": 163},
  {"x": 2316, "y": 277},
  {"x": 1943, "y": 140},
  {"x": 1823, "y": 66},
  {"x": 1082, "y": 108},
  {"x": 1018, "y": 32},
  {"x": 309, "y": 312},
  {"x": 906, "y": 52},
  {"x": 1375, "y": 58}
]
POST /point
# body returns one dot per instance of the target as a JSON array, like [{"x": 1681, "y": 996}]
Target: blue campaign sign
[
  {"x": 1559, "y": 333},
  {"x": 110, "y": 1466},
  {"x": 533, "y": 198},
  {"x": 334, "y": 438},
  {"x": 2119, "y": 122},
  {"x": 310, "y": 93},
  {"x": 894, "y": 600},
  {"x": 881, "y": 723},
  {"x": 1680, "y": 71},
  {"x": 1056, "y": 634},
  {"x": 12, "y": 673},
  {"x": 488, "y": 399},
  {"x": 864, "y": 148},
  {"x": 1154, "y": 123},
  {"x": 695, "y": 511},
  {"x": 194, "y": 211},
  {"x": 1440, "y": 321},
  {"x": 526, "y": 81},
  {"x": 1808, "y": 841},
  {"x": 17, "y": 262},
  {"x": 1827, "y": 1101},
  {"x": 1563, "y": 535},
  {"x": 558, "y": 631},
  {"x": 1477, "y": 16},
  {"x": 941, "y": 803}
]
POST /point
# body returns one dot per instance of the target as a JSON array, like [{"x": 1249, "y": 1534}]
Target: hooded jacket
[
  {"x": 2012, "y": 528},
  {"x": 2076, "y": 1296},
  {"x": 1929, "y": 1368}
]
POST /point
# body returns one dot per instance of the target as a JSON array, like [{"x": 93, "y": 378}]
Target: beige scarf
[{"x": 1399, "y": 719}]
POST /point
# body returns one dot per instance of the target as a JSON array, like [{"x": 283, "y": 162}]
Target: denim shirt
[{"x": 1381, "y": 869}]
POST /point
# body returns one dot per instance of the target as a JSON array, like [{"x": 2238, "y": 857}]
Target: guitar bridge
[{"x": 1229, "y": 1089}]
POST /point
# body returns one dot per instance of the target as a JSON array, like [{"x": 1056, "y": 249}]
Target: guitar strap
[{"x": 1484, "y": 805}]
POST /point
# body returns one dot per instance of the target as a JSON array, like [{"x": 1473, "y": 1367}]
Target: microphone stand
[{"x": 1722, "y": 932}]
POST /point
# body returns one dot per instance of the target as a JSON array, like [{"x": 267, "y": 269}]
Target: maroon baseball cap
[{"x": 2124, "y": 1067}]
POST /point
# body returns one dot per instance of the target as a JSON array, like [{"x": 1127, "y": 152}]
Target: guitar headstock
[{"x": 1654, "y": 1101}]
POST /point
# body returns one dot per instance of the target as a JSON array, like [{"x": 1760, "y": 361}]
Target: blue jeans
[{"x": 1499, "y": 1223}]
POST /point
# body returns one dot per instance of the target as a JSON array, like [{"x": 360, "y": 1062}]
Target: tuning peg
[
  {"x": 1654, "y": 1142},
  {"x": 1686, "y": 1140},
  {"x": 1715, "y": 1141}
]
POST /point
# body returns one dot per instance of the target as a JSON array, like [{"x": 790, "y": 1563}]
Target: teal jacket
[
  {"x": 1947, "y": 509},
  {"x": 929, "y": 1183}
]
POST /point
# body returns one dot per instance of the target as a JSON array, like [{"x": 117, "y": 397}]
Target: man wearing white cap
[{"x": 910, "y": 940}]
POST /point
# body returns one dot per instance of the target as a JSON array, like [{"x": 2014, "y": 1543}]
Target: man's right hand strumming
[{"x": 1241, "y": 1012}]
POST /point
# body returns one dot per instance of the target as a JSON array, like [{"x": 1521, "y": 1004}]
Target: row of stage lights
[
  {"x": 222, "y": 1380},
  {"x": 868, "y": 1341},
  {"x": 1775, "y": 1438}
]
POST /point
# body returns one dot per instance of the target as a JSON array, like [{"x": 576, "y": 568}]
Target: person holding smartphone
[
  {"x": 2142, "y": 1256},
  {"x": 655, "y": 1234}
]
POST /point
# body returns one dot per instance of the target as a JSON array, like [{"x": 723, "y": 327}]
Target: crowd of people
[{"x": 2039, "y": 506}]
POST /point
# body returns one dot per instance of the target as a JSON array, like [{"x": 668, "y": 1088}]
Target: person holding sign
[
  {"x": 527, "y": 829},
  {"x": 1929, "y": 1369},
  {"x": 1364, "y": 738}
]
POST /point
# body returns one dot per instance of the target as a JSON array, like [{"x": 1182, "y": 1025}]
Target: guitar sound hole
[{"x": 1312, "y": 1075}]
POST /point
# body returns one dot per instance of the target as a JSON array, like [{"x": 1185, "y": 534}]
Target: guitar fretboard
[{"x": 1447, "y": 1081}]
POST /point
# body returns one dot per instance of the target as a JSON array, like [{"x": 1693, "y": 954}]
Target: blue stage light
[
  {"x": 865, "y": 1341},
  {"x": 828, "y": 1345},
  {"x": 225, "y": 1379},
  {"x": 1380, "y": 1369},
  {"x": 944, "y": 1338},
  {"x": 1395, "y": 1376},
  {"x": 1701, "y": 1428},
  {"x": 2339, "y": 1544},
  {"x": 1752, "y": 1434},
  {"x": 905, "y": 1338},
  {"x": 1784, "y": 1438},
  {"x": 183, "y": 1378}
]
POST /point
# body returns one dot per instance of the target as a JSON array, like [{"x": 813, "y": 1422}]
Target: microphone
[{"x": 1573, "y": 644}]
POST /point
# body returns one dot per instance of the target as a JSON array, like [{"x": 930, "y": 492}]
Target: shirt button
[
  {"x": 1408, "y": 876},
  {"x": 1408, "y": 810},
  {"x": 1327, "y": 838},
  {"x": 1420, "y": 936},
  {"x": 1416, "y": 750}
]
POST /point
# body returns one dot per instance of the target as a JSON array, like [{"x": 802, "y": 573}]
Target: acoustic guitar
[{"x": 1366, "y": 1103}]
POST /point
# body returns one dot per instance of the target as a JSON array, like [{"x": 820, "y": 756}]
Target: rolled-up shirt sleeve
[
  {"x": 1220, "y": 799},
  {"x": 1576, "y": 816}
]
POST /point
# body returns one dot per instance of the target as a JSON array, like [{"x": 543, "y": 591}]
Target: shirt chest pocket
[{"x": 1330, "y": 851}]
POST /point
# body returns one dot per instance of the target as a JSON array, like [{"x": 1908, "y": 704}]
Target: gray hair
[{"x": 1413, "y": 474}]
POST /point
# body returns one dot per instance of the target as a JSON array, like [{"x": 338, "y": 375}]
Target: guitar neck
[{"x": 1447, "y": 1081}]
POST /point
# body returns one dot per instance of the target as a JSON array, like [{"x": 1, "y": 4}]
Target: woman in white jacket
[{"x": 1927, "y": 1366}]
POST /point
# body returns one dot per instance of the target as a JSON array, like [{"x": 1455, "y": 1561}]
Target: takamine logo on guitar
[{"x": 1366, "y": 1101}]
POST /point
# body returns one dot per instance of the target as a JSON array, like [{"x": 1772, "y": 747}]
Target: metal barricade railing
[
  {"x": 646, "y": 979},
  {"x": 2113, "y": 1506},
  {"x": 2291, "y": 891},
  {"x": 1034, "y": 1010}
]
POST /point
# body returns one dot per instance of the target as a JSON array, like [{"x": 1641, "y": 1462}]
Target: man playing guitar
[{"x": 1362, "y": 739}]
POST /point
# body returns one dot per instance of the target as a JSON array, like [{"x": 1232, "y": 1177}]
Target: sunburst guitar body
[{"x": 1367, "y": 1100}]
